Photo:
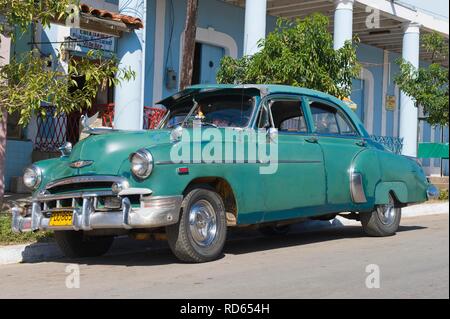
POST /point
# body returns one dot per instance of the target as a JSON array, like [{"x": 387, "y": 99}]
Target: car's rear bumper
[
  {"x": 432, "y": 192},
  {"x": 154, "y": 211}
]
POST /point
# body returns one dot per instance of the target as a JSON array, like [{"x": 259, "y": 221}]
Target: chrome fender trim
[{"x": 357, "y": 188}]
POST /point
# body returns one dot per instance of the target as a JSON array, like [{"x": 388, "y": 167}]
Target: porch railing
[
  {"x": 152, "y": 117},
  {"x": 54, "y": 131},
  {"x": 394, "y": 144}
]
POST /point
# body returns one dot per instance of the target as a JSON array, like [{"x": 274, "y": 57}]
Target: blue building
[{"x": 387, "y": 29}]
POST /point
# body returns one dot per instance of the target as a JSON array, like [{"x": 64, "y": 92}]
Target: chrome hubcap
[
  {"x": 387, "y": 213},
  {"x": 202, "y": 223}
]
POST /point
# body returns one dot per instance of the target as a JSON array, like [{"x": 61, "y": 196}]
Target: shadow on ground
[{"x": 130, "y": 253}]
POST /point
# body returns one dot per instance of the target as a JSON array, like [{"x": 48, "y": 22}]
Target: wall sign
[
  {"x": 92, "y": 40},
  {"x": 391, "y": 102}
]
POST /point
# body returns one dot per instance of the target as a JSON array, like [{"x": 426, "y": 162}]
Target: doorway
[{"x": 207, "y": 60}]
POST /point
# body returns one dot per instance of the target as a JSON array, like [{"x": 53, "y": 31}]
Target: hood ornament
[
  {"x": 81, "y": 164},
  {"x": 92, "y": 126},
  {"x": 66, "y": 149}
]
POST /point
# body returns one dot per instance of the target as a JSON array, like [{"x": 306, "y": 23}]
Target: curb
[
  {"x": 35, "y": 252},
  {"x": 40, "y": 252}
]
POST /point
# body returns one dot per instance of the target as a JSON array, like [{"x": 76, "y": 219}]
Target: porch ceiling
[{"x": 388, "y": 36}]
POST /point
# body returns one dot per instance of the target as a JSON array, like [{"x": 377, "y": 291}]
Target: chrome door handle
[
  {"x": 361, "y": 143},
  {"x": 312, "y": 139}
]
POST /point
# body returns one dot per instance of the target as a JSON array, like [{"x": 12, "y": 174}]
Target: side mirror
[{"x": 272, "y": 135}]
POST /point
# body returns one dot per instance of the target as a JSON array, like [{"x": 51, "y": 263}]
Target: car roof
[{"x": 264, "y": 89}]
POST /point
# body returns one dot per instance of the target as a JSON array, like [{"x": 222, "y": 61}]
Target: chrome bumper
[
  {"x": 154, "y": 211},
  {"x": 432, "y": 192}
]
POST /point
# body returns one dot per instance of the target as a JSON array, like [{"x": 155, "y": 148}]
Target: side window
[
  {"x": 288, "y": 116},
  {"x": 328, "y": 120}
]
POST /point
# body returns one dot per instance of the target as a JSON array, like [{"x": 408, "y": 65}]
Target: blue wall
[
  {"x": 230, "y": 21},
  {"x": 372, "y": 59},
  {"x": 18, "y": 157}
]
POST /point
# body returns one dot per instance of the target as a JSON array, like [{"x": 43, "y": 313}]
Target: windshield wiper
[{"x": 210, "y": 124}]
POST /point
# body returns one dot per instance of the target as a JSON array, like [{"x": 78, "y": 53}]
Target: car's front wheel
[
  {"x": 200, "y": 234},
  {"x": 74, "y": 244},
  {"x": 383, "y": 221}
]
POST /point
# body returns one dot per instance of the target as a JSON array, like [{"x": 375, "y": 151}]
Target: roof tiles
[{"x": 130, "y": 21}]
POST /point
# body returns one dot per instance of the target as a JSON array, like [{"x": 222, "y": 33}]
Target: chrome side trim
[
  {"x": 84, "y": 179},
  {"x": 357, "y": 188}
]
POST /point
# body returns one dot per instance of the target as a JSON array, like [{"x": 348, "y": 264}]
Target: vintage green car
[{"x": 223, "y": 156}]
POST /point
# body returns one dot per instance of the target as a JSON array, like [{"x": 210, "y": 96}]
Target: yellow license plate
[{"x": 61, "y": 219}]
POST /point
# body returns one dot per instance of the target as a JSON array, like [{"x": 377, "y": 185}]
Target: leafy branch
[
  {"x": 428, "y": 86},
  {"x": 298, "y": 53}
]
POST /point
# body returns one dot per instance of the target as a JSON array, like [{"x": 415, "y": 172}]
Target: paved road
[{"x": 321, "y": 264}]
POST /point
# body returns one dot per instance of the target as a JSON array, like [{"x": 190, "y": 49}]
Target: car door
[
  {"x": 341, "y": 143},
  {"x": 299, "y": 182}
]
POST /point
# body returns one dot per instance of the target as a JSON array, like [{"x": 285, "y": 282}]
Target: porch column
[
  {"x": 408, "y": 112},
  {"x": 129, "y": 108},
  {"x": 255, "y": 25},
  {"x": 343, "y": 22}
]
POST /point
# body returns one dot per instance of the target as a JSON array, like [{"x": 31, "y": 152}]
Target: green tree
[
  {"x": 298, "y": 53},
  {"x": 428, "y": 86},
  {"x": 31, "y": 80}
]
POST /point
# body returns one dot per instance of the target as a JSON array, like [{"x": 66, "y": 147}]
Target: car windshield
[{"x": 216, "y": 111}]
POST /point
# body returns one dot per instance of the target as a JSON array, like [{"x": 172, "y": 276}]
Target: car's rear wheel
[
  {"x": 383, "y": 221},
  {"x": 200, "y": 234},
  {"x": 74, "y": 244}
]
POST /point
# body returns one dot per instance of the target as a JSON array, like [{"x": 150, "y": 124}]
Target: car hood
[{"x": 106, "y": 153}]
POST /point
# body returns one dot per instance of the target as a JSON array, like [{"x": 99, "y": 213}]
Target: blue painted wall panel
[
  {"x": 372, "y": 60},
  {"x": 18, "y": 157}
]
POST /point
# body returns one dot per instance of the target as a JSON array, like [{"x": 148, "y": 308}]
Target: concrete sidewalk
[{"x": 38, "y": 252}]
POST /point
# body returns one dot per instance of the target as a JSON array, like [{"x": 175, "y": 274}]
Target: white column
[
  {"x": 129, "y": 108},
  {"x": 159, "y": 71},
  {"x": 255, "y": 25},
  {"x": 408, "y": 111},
  {"x": 343, "y": 23},
  {"x": 384, "y": 92}
]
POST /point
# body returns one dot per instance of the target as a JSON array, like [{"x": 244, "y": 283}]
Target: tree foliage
[
  {"x": 31, "y": 81},
  {"x": 428, "y": 86},
  {"x": 30, "y": 84},
  {"x": 21, "y": 13},
  {"x": 298, "y": 53}
]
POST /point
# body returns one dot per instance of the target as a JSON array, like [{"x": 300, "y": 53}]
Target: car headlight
[
  {"x": 141, "y": 164},
  {"x": 32, "y": 177}
]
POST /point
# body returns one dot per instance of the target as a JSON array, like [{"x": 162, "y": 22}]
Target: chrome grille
[{"x": 79, "y": 182}]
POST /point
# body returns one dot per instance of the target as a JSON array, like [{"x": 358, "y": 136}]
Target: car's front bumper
[{"x": 154, "y": 211}]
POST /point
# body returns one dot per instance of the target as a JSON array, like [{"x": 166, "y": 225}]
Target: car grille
[
  {"x": 68, "y": 193},
  {"x": 82, "y": 183}
]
